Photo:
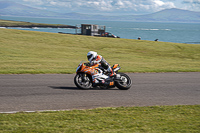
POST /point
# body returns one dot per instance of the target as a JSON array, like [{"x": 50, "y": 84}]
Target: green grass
[
  {"x": 9, "y": 23},
  {"x": 155, "y": 119},
  {"x": 40, "y": 52}
]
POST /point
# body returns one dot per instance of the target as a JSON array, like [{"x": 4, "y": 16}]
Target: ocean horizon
[{"x": 165, "y": 32}]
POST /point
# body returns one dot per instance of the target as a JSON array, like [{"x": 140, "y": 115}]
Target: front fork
[{"x": 83, "y": 77}]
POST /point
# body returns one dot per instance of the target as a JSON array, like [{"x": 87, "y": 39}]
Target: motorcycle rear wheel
[
  {"x": 82, "y": 81},
  {"x": 125, "y": 82}
]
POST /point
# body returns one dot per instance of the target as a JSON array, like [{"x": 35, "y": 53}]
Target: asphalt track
[{"x": 57, "y": 92}]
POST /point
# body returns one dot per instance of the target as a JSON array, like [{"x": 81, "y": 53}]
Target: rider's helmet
[{"x": 91, "y": 55}]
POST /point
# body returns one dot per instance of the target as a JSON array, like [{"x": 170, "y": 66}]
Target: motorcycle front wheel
[
  {"x": 124, "y": 83},
  {"x": 82, "y": 81}
]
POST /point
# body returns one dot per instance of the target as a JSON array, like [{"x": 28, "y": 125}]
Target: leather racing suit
[{"x": 103, "y": 65}]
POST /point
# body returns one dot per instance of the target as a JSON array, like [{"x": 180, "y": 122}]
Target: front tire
[
  {"x": 82, "y": 81},
  {"x": 124, "y": 83}
]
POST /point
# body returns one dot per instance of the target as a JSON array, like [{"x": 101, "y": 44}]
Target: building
[{"x": 92, "y": 30}]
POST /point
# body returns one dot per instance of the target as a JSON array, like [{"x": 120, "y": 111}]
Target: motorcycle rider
[{"x": 94, "y": 59}]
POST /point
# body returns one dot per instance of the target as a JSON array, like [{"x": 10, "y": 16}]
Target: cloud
[
  {"x": 144, "y": 5},
  {"x": 36, "y": 2},
  {"x": 128, "y": 6},
  {"x": 192, "y": 4},
  {"x": 192, "y": 1}
]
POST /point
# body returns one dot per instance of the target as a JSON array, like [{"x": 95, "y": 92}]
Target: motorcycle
[{"x": 84, "y": 72}]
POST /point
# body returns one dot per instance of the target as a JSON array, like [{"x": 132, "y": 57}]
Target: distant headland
[{"x": 10, "y": 23}]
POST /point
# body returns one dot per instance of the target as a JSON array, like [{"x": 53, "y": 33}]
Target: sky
[{"x": 111, "y": 7}]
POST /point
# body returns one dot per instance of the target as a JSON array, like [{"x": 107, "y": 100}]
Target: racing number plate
[{"x": 111, "y": 83}]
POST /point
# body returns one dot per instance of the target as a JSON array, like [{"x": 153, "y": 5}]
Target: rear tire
[
  {"x": 82, "y": 81},
  {"x": 125, "y": 82}
]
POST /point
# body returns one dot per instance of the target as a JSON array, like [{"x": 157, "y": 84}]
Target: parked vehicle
[{"x": 108, "y": 34}]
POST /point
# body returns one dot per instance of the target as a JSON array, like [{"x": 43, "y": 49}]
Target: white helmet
[{"x": 91, "y": 55}]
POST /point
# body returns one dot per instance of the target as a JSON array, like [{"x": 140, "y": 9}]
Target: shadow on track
[
  {"x": 75, "y": 88},
  {"x": 64, "y": 88}
]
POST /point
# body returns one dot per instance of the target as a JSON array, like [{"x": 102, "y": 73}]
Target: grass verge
[
  {"x": 40, "y": 52},
  {"x": 155, "y": 119}
]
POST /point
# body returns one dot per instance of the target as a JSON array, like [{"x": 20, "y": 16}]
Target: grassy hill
[{"x": 40, "y": 52}]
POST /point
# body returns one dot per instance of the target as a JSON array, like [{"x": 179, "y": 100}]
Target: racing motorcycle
[{"x": 84, "y": 72}]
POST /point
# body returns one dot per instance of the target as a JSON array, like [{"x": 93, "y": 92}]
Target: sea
[{"x": 163, "y": 31}]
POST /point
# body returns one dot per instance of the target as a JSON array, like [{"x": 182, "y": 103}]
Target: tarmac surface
[{"x": 40, "y": 92}]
